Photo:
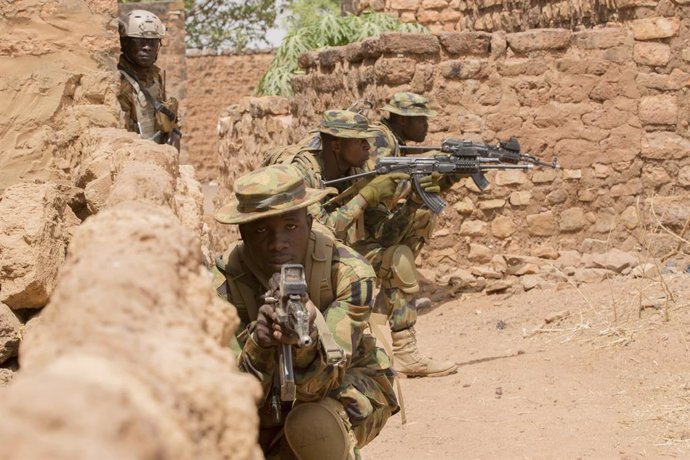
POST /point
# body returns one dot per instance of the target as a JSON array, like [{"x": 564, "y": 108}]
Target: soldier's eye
[
  {"x": 260, "y": 229},
  {"x": 291, "y": 226}
]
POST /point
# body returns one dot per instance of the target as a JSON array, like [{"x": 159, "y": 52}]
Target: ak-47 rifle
[
  {"x": 505, "y": 151},
  {"x": 467, "y": 165},
  {"x": 288, "y": 296}
]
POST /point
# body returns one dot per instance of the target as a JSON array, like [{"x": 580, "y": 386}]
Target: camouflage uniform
[
  {"x": 133, "y": 102},
  {"x": 345, "y": 221},
  {"x": 382, "y": 236},
  {"x": 387, "y": 234},
  {"x": 148, "y": 112},
  {"x": 340, "y": 283}
]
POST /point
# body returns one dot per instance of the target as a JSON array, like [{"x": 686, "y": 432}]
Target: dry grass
[{"x": 617, "y": 322}]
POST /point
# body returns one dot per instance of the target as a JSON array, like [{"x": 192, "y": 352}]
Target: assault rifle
[
  {"x": 505, "y": 151},
  {"x": 465, "y": 165},
  {"x": 288, "y": 296}
]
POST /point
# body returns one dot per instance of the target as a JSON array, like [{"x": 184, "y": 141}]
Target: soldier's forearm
[{"x": 342, "y": 218}]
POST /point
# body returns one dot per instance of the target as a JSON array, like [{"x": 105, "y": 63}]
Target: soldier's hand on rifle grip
[
  {"x": 432, "y": 182},
  {"x": 268, "y": 333},
  {"x": 263, "y": 329}
]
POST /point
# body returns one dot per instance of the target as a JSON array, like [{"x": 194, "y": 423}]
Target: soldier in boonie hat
[
  {"x": 345, "y": 124},
  {"x": 332, "y": 417},
  {"x": 407, "y": 119},
  {"x": 409, "y": 105},
  {"x": 267, "y": 192}
]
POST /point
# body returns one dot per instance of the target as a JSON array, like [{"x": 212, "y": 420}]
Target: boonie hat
[
  {"x": 344, "y": 123},
  {"x": 409, "y": 105},
  {"x": 266, "y": 192}
]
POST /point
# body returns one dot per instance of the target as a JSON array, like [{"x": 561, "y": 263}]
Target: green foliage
[
  {"x": 228, "y": 23},
  {"x": 327, "y": 30},
  {"x": 304, "y": 13}
]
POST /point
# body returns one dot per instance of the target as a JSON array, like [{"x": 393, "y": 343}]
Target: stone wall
[
  {"x": 215, "y": 82},
  {"x": 514, "y": 16},
  {"x": 610, "y": 103}
]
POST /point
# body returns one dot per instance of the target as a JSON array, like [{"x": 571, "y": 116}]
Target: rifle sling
[{"x": 334, "y": 354}]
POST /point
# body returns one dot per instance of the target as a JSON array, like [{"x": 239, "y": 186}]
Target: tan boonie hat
[
  {"x": 343, "y": 123},
  {"x": 266, "y": 192},
  {"x": 409, "y": 105}
]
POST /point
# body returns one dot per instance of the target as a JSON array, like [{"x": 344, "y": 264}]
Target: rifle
[
  {"x": 466, "y": 164},
  {"x": 288, "y": 295},
  {"x": 505, "y": 151}
]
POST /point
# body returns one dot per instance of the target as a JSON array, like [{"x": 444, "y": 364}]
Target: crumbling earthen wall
[
  {"x": 515, "y": 15},
  {"x": 610, "y": 103},
  {"x": 53, "y": 84},
  {"x": 122, "y": 343},
  {"x": 215, "y": 82}
]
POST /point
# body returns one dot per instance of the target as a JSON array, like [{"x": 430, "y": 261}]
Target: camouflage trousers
[
  {"x": 393, "y": 302},
  {"x": 420, "y": 231}
]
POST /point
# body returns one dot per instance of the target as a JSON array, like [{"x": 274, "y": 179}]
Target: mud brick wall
[
  {"x": 515, "y": 16},
  {"x": 53, "y": 83},
  {"x": 171, "y": 57},
  {"x": 113, "y": 343},
  {"x": 216, "y": 80},
  {"x": 611, "y": 103}
]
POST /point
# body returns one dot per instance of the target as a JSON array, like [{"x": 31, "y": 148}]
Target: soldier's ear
[
  {"x": 335, "y": 144},
  {"x": 310, "y": 219}
]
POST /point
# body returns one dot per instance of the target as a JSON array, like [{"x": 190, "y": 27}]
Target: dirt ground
[{"x": 603, "y": 382}]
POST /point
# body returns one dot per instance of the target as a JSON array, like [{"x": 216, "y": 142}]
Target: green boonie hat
[
  {"x": 343, "y": 123},
  {"x": 409, "y": 105},
  {"x": 266, "y": 192}
]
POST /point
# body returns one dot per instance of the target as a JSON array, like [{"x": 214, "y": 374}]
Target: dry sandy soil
[{"x": 589, "y": 385}]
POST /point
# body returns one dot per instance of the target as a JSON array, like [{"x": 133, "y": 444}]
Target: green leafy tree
[
  {"x": 326, "y": 30},
  {"x": 304, "y": 13},
  {"x": 229, "y": 23}
]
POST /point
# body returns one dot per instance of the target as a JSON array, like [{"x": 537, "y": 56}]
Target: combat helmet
[{"x": 141, "y": 24}]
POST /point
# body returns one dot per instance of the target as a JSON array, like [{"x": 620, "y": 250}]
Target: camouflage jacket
[
  {"x": 381, "y": 225},
  {"x": 151, "y": 78},
  {"x": 365, "y": 376}
]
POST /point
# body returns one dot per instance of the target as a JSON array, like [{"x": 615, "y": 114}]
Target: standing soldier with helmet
[{"x": 142, "y": 85}]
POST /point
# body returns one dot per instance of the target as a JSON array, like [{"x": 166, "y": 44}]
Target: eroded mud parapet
[{"x": 130, "y": 358}]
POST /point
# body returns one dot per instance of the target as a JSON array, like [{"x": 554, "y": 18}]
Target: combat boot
[{"x": 411, "y": 363}]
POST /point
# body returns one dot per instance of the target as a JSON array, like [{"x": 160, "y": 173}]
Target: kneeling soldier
[{"x": 344, "y": 393}]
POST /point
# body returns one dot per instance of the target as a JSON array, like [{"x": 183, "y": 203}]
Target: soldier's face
[
  {"x": 141, "y": 51},
  {"x": 415, "y": 128},
  {"x": 277, "y": 240},
  {"x": 354, "y": 152}
]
